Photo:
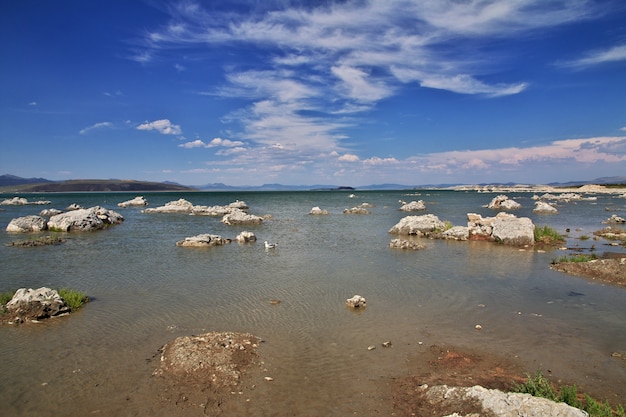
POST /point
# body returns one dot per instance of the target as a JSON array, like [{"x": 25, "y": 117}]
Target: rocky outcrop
[
  {"x": 30, "y": 304},
  {"x": 50, "y": 212},
  {"x": 615, "y": 219},
  {"x": 405, "y": 244},
  {"x": 178, "y": 206},
  {"x": 502, "y": 202},
  {"x": 356, "y": 302},
  {"x": 94, "y": 218},
  {"x": 245, "y": 237},
  {"x": 417, "y": 225},
  {"x": 455, "y": 233},
  {"x": 356, "y": 210},
  {"x": 237, "y": 216},
  {"x": 541, "y": 207},
  {"x": 452, "y": 400},
  {"x": 203, "y": 240},
  {"x": 318, "y": 211},
  {"x": 27, "y": 224},
  {"x": 504, "y": 228},
  {"x": 412, "y": 206},
  {"x": 135, "y": 202},
  {"x": 20, "y": 201}
]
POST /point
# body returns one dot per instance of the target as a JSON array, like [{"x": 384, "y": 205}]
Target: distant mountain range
[{"x": 12, "y": 183}]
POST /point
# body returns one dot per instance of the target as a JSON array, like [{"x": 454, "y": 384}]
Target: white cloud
[
  {"x": 349, "y": 158},
  {"x": 224, "y": 142},
  {"x": 359, "y": 86},
  {"x": 96, "y": 126},
  {"x": 32, "y": 103},
  {"x": 163, "y": 126},
  {"x": 613, "y": 54},
  {"x": 193, "y": 144}
]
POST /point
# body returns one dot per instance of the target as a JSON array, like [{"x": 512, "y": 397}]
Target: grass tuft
[
  {"x": 547, "y": 235},
  {"x": 74, "y": 299},
  {"x": 539, "y": 386}
]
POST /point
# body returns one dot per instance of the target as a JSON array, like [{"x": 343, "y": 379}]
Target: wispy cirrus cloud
[
  {"x": 96, "y": 126},
  {"x": 613, "y": 54},
  {"x": 163, "y": 126}
]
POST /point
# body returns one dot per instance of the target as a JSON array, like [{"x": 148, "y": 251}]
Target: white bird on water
[{"x": 270, "y": 245}]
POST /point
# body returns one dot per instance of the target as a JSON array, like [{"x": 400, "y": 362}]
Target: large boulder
[
  {"x": 203, "y": 240},
  {"x": 541, "y": 207},
  {"x": 135, "y": 202},
  {"x": 27, "y": 224},
  {"x": 240, "y": 217},
  {"x": 417, "y": 225},
  {"x": 94, "y": 218},
  {"x": 30, "y": 304},
  {"x": 502, "y": 202},
  {"x": 504, "y": 228},
  {"x": 412, "y": 206}
]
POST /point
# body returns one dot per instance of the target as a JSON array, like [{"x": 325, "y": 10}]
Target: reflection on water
[{"x": 146, "y": 291}]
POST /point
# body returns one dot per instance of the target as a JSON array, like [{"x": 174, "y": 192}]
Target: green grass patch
[
  {"x": 539, "y": 386},
  {"x": 576, "y": 258},
  {"x": 547, "y": 235},
  {"x": 74, "y": 299}
]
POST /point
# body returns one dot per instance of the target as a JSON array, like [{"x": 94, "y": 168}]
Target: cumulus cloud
[
  {"x": 224, "y": 142},
  {"x": 193, "y": 144},
  {"x": 95, "y": 127},
  {"x": 349, "y": 158},
  {"x": 163, "y": 126}
]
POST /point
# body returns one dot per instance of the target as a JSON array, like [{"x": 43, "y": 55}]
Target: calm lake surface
[{"x": 145, "y": 292}]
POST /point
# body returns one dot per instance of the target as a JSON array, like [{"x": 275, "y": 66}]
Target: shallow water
[{"x": 146, "y": 291}]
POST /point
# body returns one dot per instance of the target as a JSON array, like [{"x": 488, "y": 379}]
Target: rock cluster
[
  {"x": 94, "y": 218},
  {"x": 356, "y": 210},
  {"x": 318, "y": 211},
  {"x": 233, "y": 213},
  {"x": 413, "y": 206},
  {"x": 20, "y": 201},
  {"x": 615, "y": 219},
  {"x": 237, "y": 216},
  {"x": 504, "y": 228},
  {"x": 30, "y": 304}
]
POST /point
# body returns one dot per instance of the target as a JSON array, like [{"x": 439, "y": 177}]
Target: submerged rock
[
  {"x": 203, "y": 240},
  {"x": 405, "y": 244},
  {"x": 245, "y": 237},
  {"x": 356, "y": 210}
]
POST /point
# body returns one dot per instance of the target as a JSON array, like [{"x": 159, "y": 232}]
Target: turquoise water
[{"x": 146, "y": 291}]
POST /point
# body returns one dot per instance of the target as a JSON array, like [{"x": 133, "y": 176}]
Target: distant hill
[
  {"x": 8, "y": 179},
  {"x": 13, "y": 184}
]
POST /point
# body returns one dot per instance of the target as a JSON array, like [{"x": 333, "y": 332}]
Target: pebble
[
  {"x": 387, "y": 344},
  {"x": 478, "y": 327},
  {"x": 268, "y": 378},
  {"x": 371, "y": 347}
]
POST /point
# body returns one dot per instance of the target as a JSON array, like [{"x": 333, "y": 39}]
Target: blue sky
[{"x": 248, "y": 92}]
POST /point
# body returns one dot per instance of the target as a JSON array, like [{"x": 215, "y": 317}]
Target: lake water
[{"x": 146, "y": 291}]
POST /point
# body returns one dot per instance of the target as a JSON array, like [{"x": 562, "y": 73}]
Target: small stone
[
  {"x": 478, "y": 327},
  {"x": 387, "y": 344},
  {"x": 372, "y": 347},
  {"x": 268, "y": 378},
  {"x": 356, "y": 302}
]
